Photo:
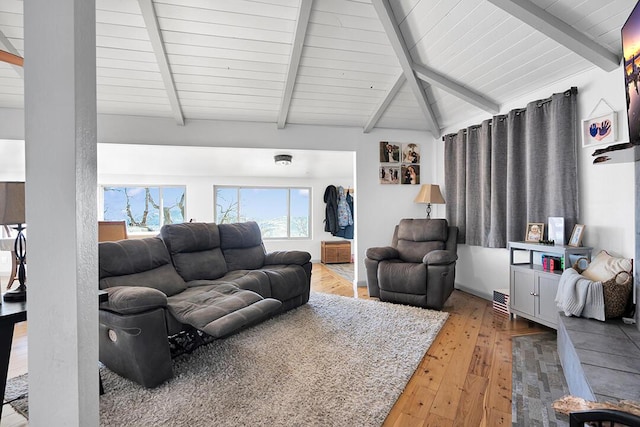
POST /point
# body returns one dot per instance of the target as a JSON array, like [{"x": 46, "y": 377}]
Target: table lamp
[
  {"x": 12, "y": 213},
  {"x": 429, "y": 193}
]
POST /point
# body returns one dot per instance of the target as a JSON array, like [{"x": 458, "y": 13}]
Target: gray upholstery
[
  {"x": 209, "y": 277},
  {"x": 207, "y": 308},
  {"x": 143, "y": 262},
  {"x": 419, "y": 266},
  {"x": 195, "y": 250}
]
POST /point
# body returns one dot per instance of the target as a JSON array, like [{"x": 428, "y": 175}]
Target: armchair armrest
[
  {"x": 287, "y": 257},
  {"x": 133, "y": 299},
  {"x": 382, "y": 253},
  {"x": 440, "y": 257}
]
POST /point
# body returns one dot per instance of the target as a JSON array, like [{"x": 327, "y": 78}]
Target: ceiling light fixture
[{"x": 283, "y": 159}]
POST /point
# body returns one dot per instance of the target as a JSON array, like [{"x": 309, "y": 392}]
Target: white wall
[
  {"x": 377, "y": 207},
  {"x": 606, "y": 198},
  {"x": 606, "y": 191}
]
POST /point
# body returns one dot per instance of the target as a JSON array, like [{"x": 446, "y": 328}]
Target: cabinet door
[
  {"x": 522, "y": 285},
  {"x": 546, "y": 289}
]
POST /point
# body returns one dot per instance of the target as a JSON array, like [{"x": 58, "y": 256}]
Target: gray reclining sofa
[{"x": 212, "y": 278}]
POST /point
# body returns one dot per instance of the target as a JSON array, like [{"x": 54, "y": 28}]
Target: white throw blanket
[{"x": 579, "y": 296}]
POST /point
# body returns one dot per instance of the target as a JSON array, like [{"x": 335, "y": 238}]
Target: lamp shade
[
  {"x": 12, "y": 203},
  {"x": 429, "y": 193}
]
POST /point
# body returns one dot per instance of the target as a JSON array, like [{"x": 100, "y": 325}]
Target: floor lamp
[
  {"x": 429, "y": 193},
  {"x": 12, "y": 213}
]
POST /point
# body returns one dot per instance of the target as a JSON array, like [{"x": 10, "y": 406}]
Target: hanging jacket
[
  {"x": 344, "y": 212},
  {"x": 331, "y": 210}
]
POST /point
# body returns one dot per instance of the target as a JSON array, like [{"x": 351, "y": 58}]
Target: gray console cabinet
[{"x": 532, "y": 289}]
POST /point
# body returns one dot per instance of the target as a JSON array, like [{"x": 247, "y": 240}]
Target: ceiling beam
[
  {"x": 558, "y": 30},
  {"x": 385, "y": 14},
  {"x": 382, "y": 107},
  {"x": 155, "y": 36},
  {"x": 294, "y": 61},
  {"x": 436, "y": 79},
  {"x": 11, "y": 55}
]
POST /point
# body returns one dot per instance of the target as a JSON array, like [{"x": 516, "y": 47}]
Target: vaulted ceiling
[{"x": 407, "y": 64}]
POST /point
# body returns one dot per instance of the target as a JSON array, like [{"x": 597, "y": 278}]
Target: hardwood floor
[
  {"x": 465, "y": 377},
  {"x": 463, "y": 380}
]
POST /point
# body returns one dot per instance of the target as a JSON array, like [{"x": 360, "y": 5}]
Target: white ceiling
[{"x": 406, "y": 64}]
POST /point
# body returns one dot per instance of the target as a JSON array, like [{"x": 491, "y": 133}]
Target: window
[
  {"x": 281, "y": 213},
  {"x": 144, "y": 208}
]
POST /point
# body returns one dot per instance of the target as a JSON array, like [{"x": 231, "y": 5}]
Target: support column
[{"x": 61, "y": 208}]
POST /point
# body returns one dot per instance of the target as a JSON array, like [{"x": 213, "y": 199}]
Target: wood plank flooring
[
  {"x": 465, "y": 377},
  {"x": 463, "y": 380}
]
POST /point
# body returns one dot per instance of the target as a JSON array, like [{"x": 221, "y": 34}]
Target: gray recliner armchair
[{"x": 418, "y": 268}]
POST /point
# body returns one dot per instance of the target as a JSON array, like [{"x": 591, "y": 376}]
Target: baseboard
[{"x": 474, "y": 292}]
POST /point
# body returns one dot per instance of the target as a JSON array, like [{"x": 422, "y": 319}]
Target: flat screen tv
[{"x": 631, "y": 55}]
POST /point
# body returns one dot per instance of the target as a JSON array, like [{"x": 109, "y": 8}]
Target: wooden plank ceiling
[{"x": 404, "y": 64}]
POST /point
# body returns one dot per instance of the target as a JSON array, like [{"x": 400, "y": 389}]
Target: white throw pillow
[{"x": 604, "y": 266}]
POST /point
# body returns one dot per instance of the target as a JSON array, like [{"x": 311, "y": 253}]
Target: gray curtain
[{"x": 514, "y": 169}]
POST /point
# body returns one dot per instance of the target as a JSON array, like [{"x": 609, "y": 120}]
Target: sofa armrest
[
  {"x": 382, "y": 253},
  {"x": 133, "y": 299},
  {"x": 287, "y": 257},
  {"x": 440, "y": 257}
]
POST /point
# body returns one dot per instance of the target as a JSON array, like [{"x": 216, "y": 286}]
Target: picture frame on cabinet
[
  {"x": 576, "y": 236},
  {"x": 535, "y": 232}
]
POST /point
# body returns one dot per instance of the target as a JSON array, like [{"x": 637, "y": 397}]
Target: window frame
[
  {"x": 268, "y": 187},
  {"x": 160, "y": 188}
]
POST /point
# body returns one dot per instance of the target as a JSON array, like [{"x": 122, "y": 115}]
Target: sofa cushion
[
  {"x": 140, "y": 262},
  {"x": 251, "y": 280},
  {"x": 241, "y": 245},
  {"x": 415, "y": 251},
  {"x": 195, "y": 250},
  {"x": 204, "y": 265},
  {"x": 402, "y": 277},
  {"x": 133, "y": 299},
  {"x": 164, "y": 278},
  {"x": 604, "y": 266},
  {"x": 287, "y": 281},
  {"x": 421, "y": 230},
  {"x": 287, "y": 257},
  {"x": 416, "y": 237},
  {"x": 190, "y": 237},
  {"x": 131, "y": 256},
  {"x": 220, "y": 309}
]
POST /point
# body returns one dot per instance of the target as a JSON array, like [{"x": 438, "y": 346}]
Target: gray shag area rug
[
  {"x": 335, "y": 361},
  {"x": 538, "y": 380}
]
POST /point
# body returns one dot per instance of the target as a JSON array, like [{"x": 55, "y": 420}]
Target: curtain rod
[{"x": 539, "y": 103}]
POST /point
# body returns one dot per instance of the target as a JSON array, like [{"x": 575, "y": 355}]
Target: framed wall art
[
  {"x": 600, "y": 128},
  {"x": 399, "y": 163}
]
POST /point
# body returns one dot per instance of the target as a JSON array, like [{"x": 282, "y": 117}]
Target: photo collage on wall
[{"x": 399, "y": 163}]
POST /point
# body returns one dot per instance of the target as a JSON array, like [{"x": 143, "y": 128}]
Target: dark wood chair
[
  {"x": 111, "y": 231},
  {"x": 603, "y": 418}
]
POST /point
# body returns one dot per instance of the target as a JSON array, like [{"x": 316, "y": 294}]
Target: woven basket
[
  {"x": 616, "y": 295},
  {"x": 616, "y": 291}
]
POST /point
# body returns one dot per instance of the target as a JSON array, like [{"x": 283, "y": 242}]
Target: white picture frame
[
  {"x": 600, "y": 130},
  {"x": 555, "y": 231}
]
